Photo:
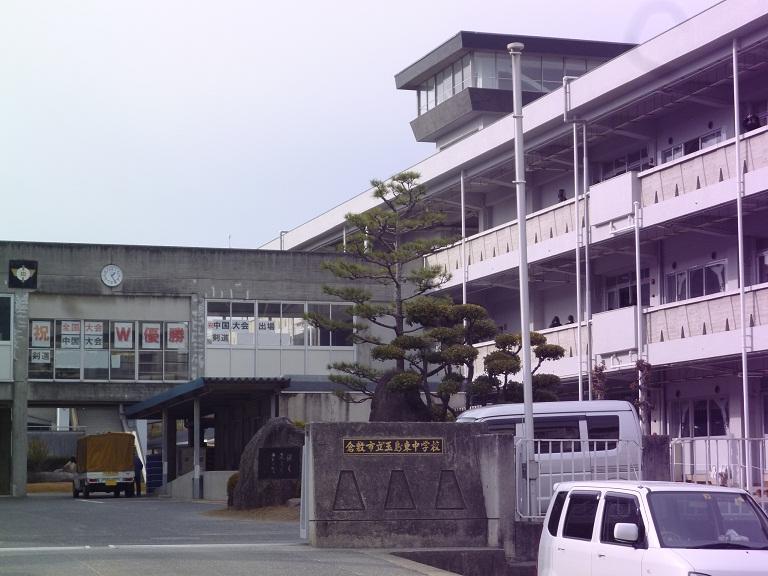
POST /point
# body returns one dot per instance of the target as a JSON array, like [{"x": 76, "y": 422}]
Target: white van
[
  {"x": 599, "y": 439},
  {"x": 659, "y": 528}
]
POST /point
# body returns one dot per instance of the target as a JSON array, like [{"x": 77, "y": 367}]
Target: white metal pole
[
  {"x": 740, "y": 222},
  {"x": 577, "y": 226},
  {"x": 515, "y": 50},
  {"x": 463, "y": 245},
  {"x": 642, "y": 395},
  {"x": 531, "y": 474},
  {"x": 587, "y": 271}
]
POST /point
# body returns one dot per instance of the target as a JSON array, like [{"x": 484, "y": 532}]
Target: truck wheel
[
  {"x": 117, "y": 492},
  {"x": 86, "y": 492},
  {"x": 130, "y": 492},
  {"x": 75, "y": 491}
]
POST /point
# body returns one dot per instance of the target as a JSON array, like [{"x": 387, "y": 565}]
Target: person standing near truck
[{"x": 138, "y": 467}]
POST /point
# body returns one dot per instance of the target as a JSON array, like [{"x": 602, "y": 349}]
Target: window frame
[{"x": 596, "y": 496}]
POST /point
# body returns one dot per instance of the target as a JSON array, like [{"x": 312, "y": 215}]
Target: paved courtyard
[{"x": 54, "y": 534}]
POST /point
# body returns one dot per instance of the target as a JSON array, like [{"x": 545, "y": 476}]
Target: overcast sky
[{"x": 217, "y": 123}]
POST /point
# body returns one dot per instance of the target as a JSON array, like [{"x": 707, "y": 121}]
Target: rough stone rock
[{"x": 254, "y": 492}]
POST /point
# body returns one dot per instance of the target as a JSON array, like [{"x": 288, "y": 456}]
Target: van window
[
  {"x": 580, "y": 518},
  {"x": 602, "y": 429},
  {"x": 557, "y": 510},
  {"x": 555, "y": 435},
  {"x": 503, "y": 424},
  {"x": 620, "y": 508}
]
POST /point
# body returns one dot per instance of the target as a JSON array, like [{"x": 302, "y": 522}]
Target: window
[
  {"x": 504, "y": 71},
  {"x": 762, "y": 267},
  {"x": 242, "y": 325},
  {"x": 41, "y": 349},
  {"x": 96, "y": 350},
  {"x": 531, "y": 73},
  {"x": 68, "y": 344},
  {"x": 485, "y": 70},
  {"x": 621, "y": 290},
  {"x": 217, "y": 323},
  {"x": 319, "y": 335},
  {"x": 176, "y": 351},
  {"x": 293, "y": 325},
  {"x": 268, "y": 324},
  {"x": 552, "y": 72},
  {"x": 604, "y": 431},
  {"x": 620, "y": 508},
  {"x": 692, "y": 145},
  {"x": 557, "y": 511},
  {"x": 636, "y": 160},
  {"x": 5, "y": 319},
  {"x": 342, "y": 336},
  {"x": 702, "y": 418},
  {"x": 151, "y": 351},
  {"x": 555, "y": 435},
  {"x": 695, "y": 282},
  {"x": 123, "y": 357},
  {"x": 580, "y": 518}
]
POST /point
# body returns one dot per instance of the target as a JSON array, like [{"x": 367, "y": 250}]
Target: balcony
[
  {"x": 706, "y": 327},
  {"x": 495, "y": 250},
  {"x": 703, "y": 169}
]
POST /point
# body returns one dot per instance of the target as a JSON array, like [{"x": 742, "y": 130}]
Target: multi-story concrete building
[{"x": 646, "y": 235}]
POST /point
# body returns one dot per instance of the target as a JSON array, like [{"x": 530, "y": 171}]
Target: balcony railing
[
  {"x": 703, "y": 168},
  {"x": 549, "y": 223},
  {"x": 706, "y": 315}
]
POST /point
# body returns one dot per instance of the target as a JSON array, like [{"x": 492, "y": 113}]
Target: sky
[{"x": 220, "y": 123}]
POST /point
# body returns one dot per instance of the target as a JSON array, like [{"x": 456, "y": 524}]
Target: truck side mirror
[{"x": 626, "y": 532}]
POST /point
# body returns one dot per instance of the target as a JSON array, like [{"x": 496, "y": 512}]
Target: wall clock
[{"x": 111, "y": 275}]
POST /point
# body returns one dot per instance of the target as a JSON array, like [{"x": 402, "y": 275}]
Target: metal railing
[
  {"x": 739, "y": 462},
  {"x": 569, "y": 460}
]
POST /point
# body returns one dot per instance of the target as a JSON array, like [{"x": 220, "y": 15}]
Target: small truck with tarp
[{"x": 104, "y": 464}]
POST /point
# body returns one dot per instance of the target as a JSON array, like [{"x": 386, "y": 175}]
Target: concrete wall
[{"x": 390, "y": 499}]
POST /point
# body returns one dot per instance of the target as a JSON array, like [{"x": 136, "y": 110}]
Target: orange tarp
[{"x": 110, "y": 452}]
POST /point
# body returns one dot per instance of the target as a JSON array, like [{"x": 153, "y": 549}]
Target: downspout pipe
[
  {"x": 740, "y": 223},
  {"x": 642, "y": 393}
]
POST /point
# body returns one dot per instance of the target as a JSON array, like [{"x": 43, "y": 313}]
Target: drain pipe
[
  {"x": 463, "y": 244},
  {"x": 641, "y": 392},
  {"x": 740, "y": 222}
]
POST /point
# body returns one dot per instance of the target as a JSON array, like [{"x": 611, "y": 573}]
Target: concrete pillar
[
  {"x": 196, "y": 488},
  {"x": 19, "y": 440}
]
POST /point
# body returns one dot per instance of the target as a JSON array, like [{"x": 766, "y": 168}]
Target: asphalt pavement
[{"x": 56, "y": 535}]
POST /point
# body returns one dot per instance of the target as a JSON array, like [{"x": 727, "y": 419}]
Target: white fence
[
  {"x": 567, "y": 460},
  {"x": 736, "y": 462}
]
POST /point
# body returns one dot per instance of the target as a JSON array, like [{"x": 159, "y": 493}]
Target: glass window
[
  {"x": 555, "y": 435},
  {"x": 580, "y": 517},
  {"x": 68, "y": 345},
  {"x": 458, "y": 82},
  {"x": 217, "y": 323},
  {"x": 762, "y": 268},
  {"x": 268, "y": 324},
  {"x": 604, "y": 430},
  {"x": 151, "y": 351},
  {"x": 485, "y": 70},
  {"x": 466, "y": 71},
  {"x": 176, "y": 351},
  {"x": 711, "y": 139},
  {"x": 695, "y": 282},
  {"x": 293, "y": 325},
  {"x": 342, "y": 336},
  {"x": 242, "y": 325},
  {"x": 123, "y": 357},
  {"x": 96, "y": 350},
  {"x": 552, "y": 72},
  {"x": 700, "y": 418},
  {"x": 593, "y": 63},
  {"x": 557, "y": 511},
  {"x": 714, "y": 278},
  {"x": 319, "y": 336},
  {"x": 621, "y": 290},
  {"x": 5, "y": 319},
  {"x": 575, "y": 66},
  {"x": 718, "y": 417},
  {"x": 504, "y": 71},
  {"x": 430, "y": 93},
  {"x": 670, "y": 290},
  {"x": 620, "y": 509},
  {"x": 671, "y": 154},
  {"x": 530, "y": 66},
  {"x": 682, "y": 286},
  {"x": 41, "y": 353}
]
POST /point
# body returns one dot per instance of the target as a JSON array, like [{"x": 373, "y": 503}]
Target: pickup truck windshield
[{"x": 708, "y": 520}]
